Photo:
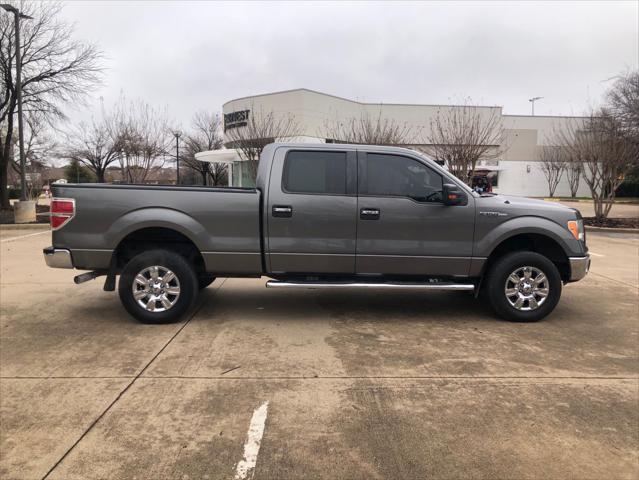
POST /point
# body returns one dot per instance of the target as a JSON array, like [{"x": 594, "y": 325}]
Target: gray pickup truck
[{"x": 322, "y": 216}]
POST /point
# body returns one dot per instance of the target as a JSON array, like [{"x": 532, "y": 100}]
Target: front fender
[
  {"x": 158, "y": 218},
  {"x": 486, "y": 243}
]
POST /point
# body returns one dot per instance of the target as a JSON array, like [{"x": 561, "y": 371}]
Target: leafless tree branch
[
  {"x": 205, "y": 134},
  {"x": 367, "y": 130},
  {"x": 461, "y": 136},
  {"x": 606, "y": 152},
  {"x": 141, "y": 136},
  {"x": 56, "y": 69},
  {"x": 553, "y": 166},
  {"x": 261, "y": 129}
]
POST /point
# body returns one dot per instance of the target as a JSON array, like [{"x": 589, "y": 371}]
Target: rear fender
[{"x": 159, "y": 218}]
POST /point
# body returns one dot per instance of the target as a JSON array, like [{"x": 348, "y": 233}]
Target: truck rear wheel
[
  {"x": 158, "y": 286},
  {"x": 523, "y": 286}
]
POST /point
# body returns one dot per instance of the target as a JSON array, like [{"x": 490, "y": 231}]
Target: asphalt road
[{"x": 345, "y": 384}]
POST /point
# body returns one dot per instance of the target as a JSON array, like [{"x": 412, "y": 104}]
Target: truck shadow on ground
[
  {"x": 343, "y": 305},
  {"x": 253, "y": 302}
]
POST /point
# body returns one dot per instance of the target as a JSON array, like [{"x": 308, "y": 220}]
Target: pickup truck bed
[{"x": 229, "y": 239}]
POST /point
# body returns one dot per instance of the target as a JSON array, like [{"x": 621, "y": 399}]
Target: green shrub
[
  {"x": 75, "y": 172},
  {"x": 630, "y": 185}
]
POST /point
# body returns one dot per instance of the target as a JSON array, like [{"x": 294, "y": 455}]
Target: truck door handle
[
  {"x": 369, "y": 214},
  {"x": 282, "y": 211}
]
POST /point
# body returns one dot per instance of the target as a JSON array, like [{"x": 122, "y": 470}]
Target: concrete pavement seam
[
  {"x": 331, "y": 377},
  {"x": 15, "y": 239},
  {"x": 615, "y": 280},
  {"x": 117, "y": 398}
]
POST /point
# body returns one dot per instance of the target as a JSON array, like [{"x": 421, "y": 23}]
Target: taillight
[{"x": 62, "y": 211}]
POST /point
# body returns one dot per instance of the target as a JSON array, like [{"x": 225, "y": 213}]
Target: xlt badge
[{"x": 494, "y": 214}]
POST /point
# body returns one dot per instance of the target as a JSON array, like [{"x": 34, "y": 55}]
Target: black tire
[
  {"x": 495, "y": 286},
  {"x": 186, "y": 278},
  {"x": 204, "y": 280}
]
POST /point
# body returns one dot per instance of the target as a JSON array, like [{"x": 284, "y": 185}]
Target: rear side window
[
  {"x": 315, "y": 172},
  {"x": 397, "y": 176}
]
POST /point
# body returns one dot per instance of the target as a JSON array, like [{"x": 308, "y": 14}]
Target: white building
[{"x": 517, "y": 171}]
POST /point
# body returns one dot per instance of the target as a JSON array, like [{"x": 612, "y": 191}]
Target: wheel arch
[
  {"x": 541, "y": 243},
  {"x": 157, "y": 237}
]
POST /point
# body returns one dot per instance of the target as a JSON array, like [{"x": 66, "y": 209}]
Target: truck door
[
  {"x": 403, "y": 227},
  {"x": 311, "y": 211}
]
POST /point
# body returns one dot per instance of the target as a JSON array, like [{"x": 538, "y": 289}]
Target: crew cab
[{"x": 321, "y": 216}]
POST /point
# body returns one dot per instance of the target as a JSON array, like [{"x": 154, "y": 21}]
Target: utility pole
[
  {"x": 177, "y": 156},
  {"x": 532, "y": 104},
  {"x": 17, "y": 16}
]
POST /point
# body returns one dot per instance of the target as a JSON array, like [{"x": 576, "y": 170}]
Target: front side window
[
  {"x": 397, "y": 176},
  {"x": 315, "y": 173}
]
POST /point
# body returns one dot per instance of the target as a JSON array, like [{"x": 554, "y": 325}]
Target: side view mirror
[{"x": 453, "y": 195}]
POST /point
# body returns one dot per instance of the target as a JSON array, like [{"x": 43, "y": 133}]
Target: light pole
[
  {"x": 177, "y": 156},
  {"x": 532, "y": 103},
  {"x": 17, "y": 16}
]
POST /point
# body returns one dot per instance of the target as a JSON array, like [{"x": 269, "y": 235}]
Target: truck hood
[
  {"x": 532, "y": 202},
  {"x": 517, "y": 206}
]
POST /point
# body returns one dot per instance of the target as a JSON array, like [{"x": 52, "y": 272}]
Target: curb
[
  {"x": 25, "y": 226},
  {"x": 575, "y": 200},
  {"x": 612, "y": 230}
]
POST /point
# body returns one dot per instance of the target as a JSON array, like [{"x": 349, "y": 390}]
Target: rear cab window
[{"x": 315, "y": 172}]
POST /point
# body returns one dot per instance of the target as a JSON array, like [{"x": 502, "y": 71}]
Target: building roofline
[
  {"x": 355, "y": 101},
  {"x": 347, "y": 146},
  {"x": 545, "y": 116}
]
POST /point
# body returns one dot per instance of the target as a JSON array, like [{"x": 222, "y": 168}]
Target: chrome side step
[{"x": 388, "y": 285}]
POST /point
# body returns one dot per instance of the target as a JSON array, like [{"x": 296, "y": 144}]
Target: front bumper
[
  {"x": 57, "y": 257},
  {"x": 579, "y": 267}
]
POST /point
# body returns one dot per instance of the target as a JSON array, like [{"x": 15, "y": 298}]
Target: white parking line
[
  {"x": 596, "y": 254},
  {"x": 13, "y": 239},
  {"x": 252, "y": 446}
]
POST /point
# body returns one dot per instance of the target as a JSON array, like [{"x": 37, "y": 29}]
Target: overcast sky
[{"x": 189, "y": 56}]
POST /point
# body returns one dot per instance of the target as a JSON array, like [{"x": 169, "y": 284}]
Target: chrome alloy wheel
[
  {"x": 526, "y": 288},
  {"x": 156, "y": 289}
]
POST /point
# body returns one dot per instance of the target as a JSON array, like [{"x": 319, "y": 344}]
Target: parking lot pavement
[
  {"x": 358, "y": 385},
  {"x": 11, "y": 234},
  {"x": 615, "y": 256},
  {"x": 618, "y": 210}
]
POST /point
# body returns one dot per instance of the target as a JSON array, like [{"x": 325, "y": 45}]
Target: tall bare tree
[
  {"x": 56, "y": 69},
  {"x": 40, "y": 145},
  {"x": 606, "y": 152},
  {"x": 574, "y": 173},
  {"x": 206, "y": 134},
  {"x": 461, "y": 136},
  {"x": 92, "y": 145},
  {"x": 622, "y": 101},
  {"x": 367, "y": 129},
  {"x": 261, "y": 129},
  {"x": 142, "y": 137},
  {"x": 553, "y": 165},
  {"x": 563, "y": 156}
]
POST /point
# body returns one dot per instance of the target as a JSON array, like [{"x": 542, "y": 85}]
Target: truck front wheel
[
  {"x": 158, "y": 286},
  {"x": 523, "y": 286}
]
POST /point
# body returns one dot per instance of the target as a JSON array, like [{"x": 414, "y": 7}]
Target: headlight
[{"x": 576, "y": 227}]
